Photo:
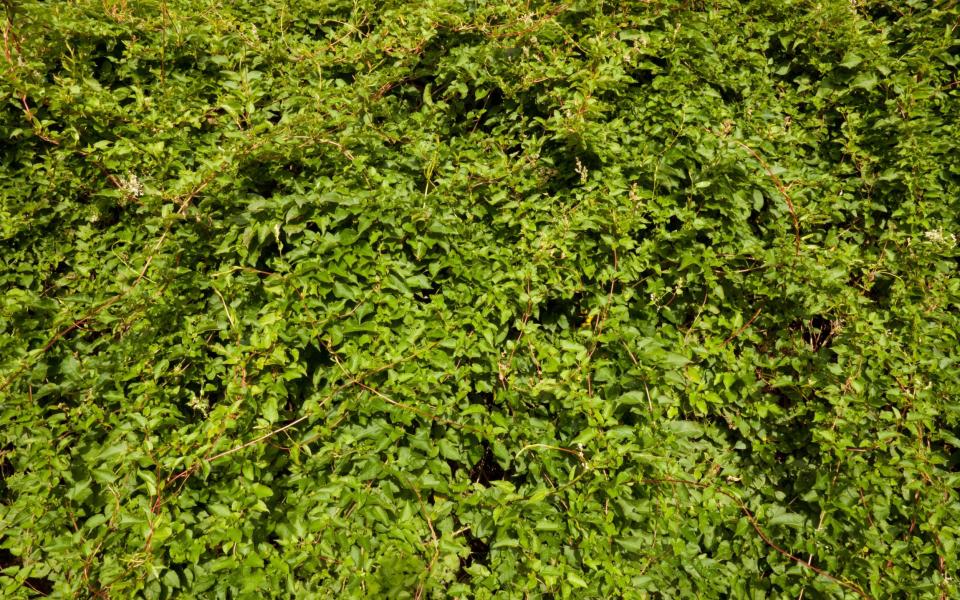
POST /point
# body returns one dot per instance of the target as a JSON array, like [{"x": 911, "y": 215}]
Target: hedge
[{"x": 593, "y": 299}]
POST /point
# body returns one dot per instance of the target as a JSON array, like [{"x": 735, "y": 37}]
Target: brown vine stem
[
  {"x": 184, "y": 202},
  {"x": 536, "y": 24},
  {"x": 38, "y": 130},
  {"x": 8, "y": 38},
  {"x": 256, "y": 441},
  {"x": 742, "y": 329},
  {"x": 776, "y": 181},
  {"x": 417, "y": 411},
  {"x": 780, "y": 186},
  {"x": 352, "y": 380},
  {"x": 433, "y": 535},
  {"x": 760, "y": 532}
]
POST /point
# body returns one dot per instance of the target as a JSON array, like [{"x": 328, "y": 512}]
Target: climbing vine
[{"x": 459, "y": 299}]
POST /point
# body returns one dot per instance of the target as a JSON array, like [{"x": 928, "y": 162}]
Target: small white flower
[
  {"x": 938, "y": 237},
  {"x": 132, "y": 186},
  {"x": 581, "y": 171},
  {"x": 199, "y": 403}
]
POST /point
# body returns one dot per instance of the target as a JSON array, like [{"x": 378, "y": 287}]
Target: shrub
[{"x": 462, "y": 299}]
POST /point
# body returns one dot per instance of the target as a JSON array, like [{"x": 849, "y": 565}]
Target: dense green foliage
[{"x": 462, "y": 299}]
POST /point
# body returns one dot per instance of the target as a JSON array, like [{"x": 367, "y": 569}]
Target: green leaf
[
  {"x": 634, "y": 544},
  {"x": 865, "y": 80},
  {"x": 576, "y": 580},
  {"x": 788, "y": 519},
  {"x": 690, "y": 429},
  {"x": 850, "y": 60}
]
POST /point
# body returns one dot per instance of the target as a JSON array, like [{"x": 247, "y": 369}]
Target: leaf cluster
[{"x": 464, "y": 299}]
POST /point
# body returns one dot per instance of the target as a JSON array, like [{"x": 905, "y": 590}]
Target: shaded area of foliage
[{"x": 449, "y": 298}]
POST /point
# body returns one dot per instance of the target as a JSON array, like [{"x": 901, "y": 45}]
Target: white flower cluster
[
  {"x": 675, "y": 290},
  {"x": 938, "y": 237},
  {"x": 581, "y": 171},
  {"x": 132, "y": 186},
  {"x": 200, "y": 404}
]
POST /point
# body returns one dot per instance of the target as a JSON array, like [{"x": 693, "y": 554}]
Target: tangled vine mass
[{"x": 462, "y": 299}]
